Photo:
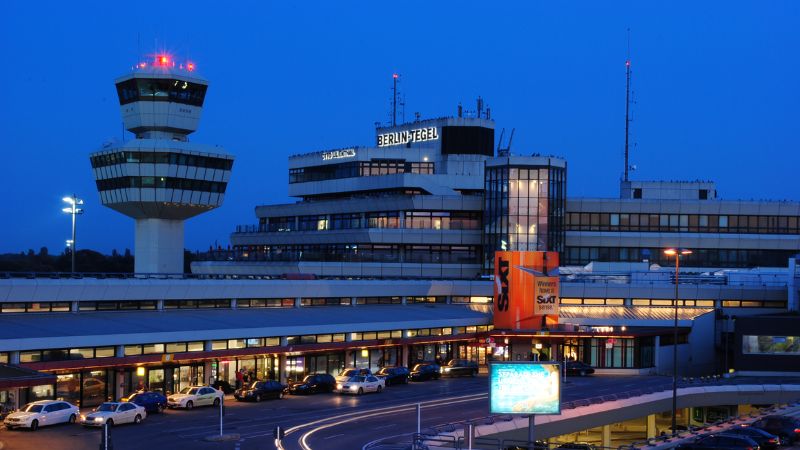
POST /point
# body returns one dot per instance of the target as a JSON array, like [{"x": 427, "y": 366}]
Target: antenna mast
[
  {"x": 627, "y": 103},
  {"x": 394, "y": 98}
]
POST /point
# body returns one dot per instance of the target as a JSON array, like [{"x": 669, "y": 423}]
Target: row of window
[
  {"x": 435, "y": 220},
  {"x": 187, "y": 184},
  {"x": 697, "y": 223},
  {"x": 66, "y": 354},
  {"x": 771, "y": 345},
  {"x": 700, "y": 257},
  {"x": 158, "y": 89},
  {"x": 179, "y": 159},
  {"x": 34, "y": 307},
  {"x": 439, "y": 254},
  {"x": 358, "y": 169}
]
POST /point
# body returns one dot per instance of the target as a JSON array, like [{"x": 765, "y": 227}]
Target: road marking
[
  {"x": 334, "y": 436},
  {"x": 356, "y": 417},
  {"x": 384, "y": 426}
]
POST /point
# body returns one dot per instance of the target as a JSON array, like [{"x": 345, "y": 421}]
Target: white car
[
  {"x": 360, "y": 384},
  {"x": 42, "y": 413},
  {"x": 195, "y": 396},
  {"x": 114, "y": 413}
]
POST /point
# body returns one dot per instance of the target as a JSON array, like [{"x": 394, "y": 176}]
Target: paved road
[{"x": 445, "y": 401}]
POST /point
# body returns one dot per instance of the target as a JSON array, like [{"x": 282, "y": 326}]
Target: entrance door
[
  {"x": 93, "y": 388},
  {"x": 155, "y": 379}
]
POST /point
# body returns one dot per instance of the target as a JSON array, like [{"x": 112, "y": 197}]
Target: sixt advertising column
[{"x": 525, "y": 290}]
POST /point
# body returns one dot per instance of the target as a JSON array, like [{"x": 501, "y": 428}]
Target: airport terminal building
[{"x": 386, "y": 259}]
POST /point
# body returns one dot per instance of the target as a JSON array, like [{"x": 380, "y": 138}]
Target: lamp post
[
  {"x": 677, "y": 253},
  {"x": 73, "y": 209}
]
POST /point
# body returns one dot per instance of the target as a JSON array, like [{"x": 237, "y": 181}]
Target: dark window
[
  {"x": 467, "y": 140},
  {"x": 703, "y": 194},
  {"x": 637, "y": 193}
]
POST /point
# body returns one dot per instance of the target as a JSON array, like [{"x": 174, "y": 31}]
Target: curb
[{"x": 216, "y": 438}]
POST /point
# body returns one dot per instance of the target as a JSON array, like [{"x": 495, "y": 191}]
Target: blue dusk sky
[{"x": 716, "y": 88}]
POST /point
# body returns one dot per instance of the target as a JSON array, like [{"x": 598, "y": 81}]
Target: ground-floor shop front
[{"x": 87, "y": 383}]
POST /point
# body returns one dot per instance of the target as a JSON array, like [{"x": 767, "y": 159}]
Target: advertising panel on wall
[
  {"x": 524, "y": 388},
  {"x": 525, "y": 290}
]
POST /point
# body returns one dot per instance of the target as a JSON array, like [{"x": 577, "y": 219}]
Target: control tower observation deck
[{"x": 161, "y": 179}]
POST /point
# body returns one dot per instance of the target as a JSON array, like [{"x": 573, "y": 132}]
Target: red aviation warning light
[
  {"x": 394, "y": 75},
  {"x": 190, "y": 66},
  {"x": 162, "y": 60}
]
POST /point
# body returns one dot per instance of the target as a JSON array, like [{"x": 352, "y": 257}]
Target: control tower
[{"x": 160, "y": 179}]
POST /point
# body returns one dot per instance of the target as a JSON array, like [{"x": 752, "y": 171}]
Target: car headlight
[
  {"x": 446, "y": 369},
  {"x": 353, "y": 388},
  {"x": 83, "y": 417},
  {"x": 98, "y": 419},
  {"x": 338, "y": 386}
]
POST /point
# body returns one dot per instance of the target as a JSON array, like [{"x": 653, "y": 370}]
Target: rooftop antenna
[
  {"x": 395, "y": 76},
  {"x": 480, "y": 107},
  {"x": 627, "y": 103},
  {"x": 500, "y": 142},
  {"x": 460, "y": 110},
  {"x": 510, "y": 138}
]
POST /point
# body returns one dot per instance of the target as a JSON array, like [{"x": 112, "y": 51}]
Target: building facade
[{"x": 385, "y": 260}]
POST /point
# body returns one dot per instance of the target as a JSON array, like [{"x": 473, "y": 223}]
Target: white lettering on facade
[
  {"x": 339, "y": 154},
  {"x": 408, "y": 136}
]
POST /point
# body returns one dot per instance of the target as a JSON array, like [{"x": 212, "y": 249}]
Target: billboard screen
[
  {"x": 524, "y": 388},
  {"x": 525, "y": 290}
]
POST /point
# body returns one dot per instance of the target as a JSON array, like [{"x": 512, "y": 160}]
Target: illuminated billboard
[
  {"x": 524, "y": 388},
  {"x": 525, "y": 290}
]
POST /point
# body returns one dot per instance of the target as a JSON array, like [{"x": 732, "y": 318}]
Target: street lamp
[
  {"x": 73, "y": 209},
  {"x": 677, "y": 253}
]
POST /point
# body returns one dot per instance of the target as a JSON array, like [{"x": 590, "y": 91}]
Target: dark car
[
  {"x": 313, "y": 384},
  {"x": 425, "y": 371},
  {"x": 764, "y": 439},
  {"x": 150, "y": 401},
  {"x": 460, "y": 368},
  {"x": 577, "y": 446},
  {"x": 578, "y": 368},
  {"x": 260, "y": 390},
  {"x": 394, "y": 375},
  {"x": 785, "y": 427},
  {"x": 720, "y": 442},
  {"x": 223, "y": 386}
]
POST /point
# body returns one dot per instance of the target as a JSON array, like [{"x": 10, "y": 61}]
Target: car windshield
[
  {"x": 383, "y": 371},
  {"x": 347, "y": 373},
  {"x": 189, "y": 391},
  {"x": 133, "y": 397},
  {"x": 419, "y": 366},
  {"x": 308, "y": 379},
  {"x": 254, "y": 385},
  {"x": 107, "y": 407},
  {"x": 32, "y": 408},
  {"x": 356, "y": 379}
]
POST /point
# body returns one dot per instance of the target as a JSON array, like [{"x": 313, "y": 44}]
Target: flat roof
[{"x": 92, "y": 329}]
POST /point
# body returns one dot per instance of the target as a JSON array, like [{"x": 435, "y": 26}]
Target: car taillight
[
  {"x": 797, "y": 430},
  {"x": 772, "y": 440},
  {"x": 749, "y": 448}
]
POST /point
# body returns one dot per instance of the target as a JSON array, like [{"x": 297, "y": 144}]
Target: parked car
[
  {"x": 42, "y": 413},
  {"x": 785, "y": 427},
  {"x": 224, "y": 386},
  {"x": 394, "y": 375},
  {"x": 114, "y": 413},
  {"x": 347, "y": 373},
  {"x": 425, "y": 371},
  {"x": 359, "y": 384},
  {"x": 460, "y": 367},
  {"x": 577, "y": 446},
  {"x": 578, "y": 368},
  {"x": 767, "y": 441},
  {"x": 720, "y": 442},
  {"x": 313, "y": 384},
  {"x": 190, "y": 397},
  {"x": 259, "y": 390},
  {"x": 151, "y": 401}
]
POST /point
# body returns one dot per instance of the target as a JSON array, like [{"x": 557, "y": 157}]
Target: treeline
[{"x": 85, "y": 261}]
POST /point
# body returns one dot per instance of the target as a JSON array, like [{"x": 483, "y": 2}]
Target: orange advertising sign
[{"x": 519, "y": 279}]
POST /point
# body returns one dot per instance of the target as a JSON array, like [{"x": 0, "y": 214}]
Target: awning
[{"x": 16, "y": 377}]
